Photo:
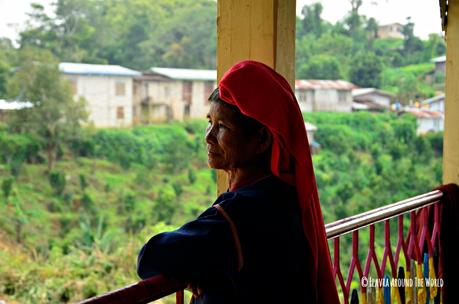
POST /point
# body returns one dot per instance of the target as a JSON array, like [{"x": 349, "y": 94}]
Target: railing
[
  {"x": 418, "y": 241},
  {"x": 418, "y": 249}
]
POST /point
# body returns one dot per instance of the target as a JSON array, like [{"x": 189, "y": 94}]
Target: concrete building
[
  {"x": 436, "y": 103},
  {"x": 371, "y": 99},
  {"x": 392, "y": 30},
  {"x": 427, "y": 120},
  {"x": 440, "y": 65},
  {"x": 107, "y": 90},
  {"x": 164, "y": 94},
  {"x": 324, "y": 95}
]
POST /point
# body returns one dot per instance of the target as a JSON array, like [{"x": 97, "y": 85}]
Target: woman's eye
[{"x": 220, "y": 125}]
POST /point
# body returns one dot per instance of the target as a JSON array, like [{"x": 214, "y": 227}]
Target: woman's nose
[{"x": 210, "y": 136}]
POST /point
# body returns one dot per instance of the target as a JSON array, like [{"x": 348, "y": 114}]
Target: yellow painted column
[
  {"x": 262, "y": 30},
  {"x": 451, "y": 133}
]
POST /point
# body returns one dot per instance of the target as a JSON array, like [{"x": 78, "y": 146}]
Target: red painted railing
[
  {"x": 418, "y": 247},
  {"x": 422, "y": 237}
]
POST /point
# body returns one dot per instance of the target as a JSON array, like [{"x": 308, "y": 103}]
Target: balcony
[{"x": 409, "y": 270}]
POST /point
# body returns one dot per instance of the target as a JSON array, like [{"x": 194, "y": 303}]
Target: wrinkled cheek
[{"x": 216, "y": 162}]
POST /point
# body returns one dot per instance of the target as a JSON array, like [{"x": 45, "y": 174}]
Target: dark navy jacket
[{"x": 203, "y": 251}]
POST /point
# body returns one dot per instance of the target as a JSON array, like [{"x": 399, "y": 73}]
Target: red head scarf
[{"x": 263, "y": 94}]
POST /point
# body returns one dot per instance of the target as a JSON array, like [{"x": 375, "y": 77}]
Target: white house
[
  {"x": 436, "y": 103},
  {"x": 427, "y": 120},
  {"x": 371, "y": 99},
  {"x": 107, "y": 90},
  {"x": 392, "y": 30},
  {"x": 324, "y": 95},
  {"x": 163, "y": 94},
  {"x": 12, "y": 105},
  {"x": 440, "y": 65}
]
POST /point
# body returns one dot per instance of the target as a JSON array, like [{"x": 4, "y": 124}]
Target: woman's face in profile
[{"x": 228, "y": 146}]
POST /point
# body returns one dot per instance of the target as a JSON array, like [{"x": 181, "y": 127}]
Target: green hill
[{"x": 75, "y": 232}]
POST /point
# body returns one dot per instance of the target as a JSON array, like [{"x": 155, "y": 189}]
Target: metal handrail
[
  {"x": 142, "y": 292},
  {"x": 157, "y": 287},
  {"x": 364, "y": 219}
]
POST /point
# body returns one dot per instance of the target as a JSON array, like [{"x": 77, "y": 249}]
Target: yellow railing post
[
  {"x": 451, "y": 133},
  {"x": 262, "y": 30}
]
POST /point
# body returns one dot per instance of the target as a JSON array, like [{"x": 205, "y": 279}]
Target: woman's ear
[{"x": 264, "y": 140}]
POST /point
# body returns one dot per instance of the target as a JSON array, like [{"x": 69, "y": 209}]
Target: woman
[{"x": 262, "y": 241}]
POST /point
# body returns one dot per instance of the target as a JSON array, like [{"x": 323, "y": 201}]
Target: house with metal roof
[
  {"x": 108, "y": 90},
  {"x": 440, "y": 65},
  {"x": 392, "y": 30},
  {"x": 371, "y": 99},
  {"x": 436, "y": 103},
  {"x": 427, "y": 120},
  {"x": 164, "y": 94},
  {"x": 324, "y": 95}
]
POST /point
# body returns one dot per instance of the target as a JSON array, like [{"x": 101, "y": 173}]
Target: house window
[
  {"x": 187, "y": 91},
  {"x": 167, "y": 91},
  {"x": 436, "y": 124},
  {"x": 342, "y": 96},
  {"x": 120, "y": 89},
  {"x": 208, "y": 89},
  {"x": 73, "y": 86},
  {"x": 119, "y": 112}
]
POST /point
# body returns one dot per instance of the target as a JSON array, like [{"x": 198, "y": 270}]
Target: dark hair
[{"x": 249, "y": 125}]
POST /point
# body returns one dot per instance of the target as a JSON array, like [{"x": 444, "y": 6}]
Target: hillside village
[
  {"x": 120, "y": 97},
  {"x": 143, "y": 71}
]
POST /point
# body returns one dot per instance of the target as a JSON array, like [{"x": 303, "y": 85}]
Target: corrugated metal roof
[
  {"x": 369, "y": 105},
  {"x": 425, "y": 113},
  {"x": 186, "y": 74},
  {"x": 365, "y": 91},
  {"x": 434, "y": 99},
  {"x": 359, "y": 106},
  {"x": 14, "y": 105},
  {"x": 439, "y": 59},
  {"x": 96, "y": 69},
  {"x": 314, "y": 84}
]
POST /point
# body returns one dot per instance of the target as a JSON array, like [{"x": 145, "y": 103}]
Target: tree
[
  {"x": 321, "y": 67},
  {"x": 412, "y": 45},
  {"x": 372, "y": 28},
  {"x": 366, "y": 70},
  {"x": 354, "y": 20},
  {"x": 7, "y": 59},
  {"x": 433, "y": 47},
  {"x": 134, "y": 33},
  {"x": 312, "y": 21},
  {"x": 54, "y": 114}
]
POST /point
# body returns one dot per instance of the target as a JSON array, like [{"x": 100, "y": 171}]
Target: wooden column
[
  {"x": 262, "y": 30},
  {"x": 451, "y": 134}
]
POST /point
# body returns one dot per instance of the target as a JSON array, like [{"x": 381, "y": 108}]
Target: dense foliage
[
  {"x": 75, "y": 232},
  {"x": 135, "y": 33}
]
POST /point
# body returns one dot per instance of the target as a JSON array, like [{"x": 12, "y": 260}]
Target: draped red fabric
[{"x": 263, "y": 94}]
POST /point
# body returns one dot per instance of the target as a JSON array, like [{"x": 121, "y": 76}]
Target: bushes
[
  {"x": 375, "y": 156},
  {"x": 57, "y": 182},
  {"x": 102, "y": 213},
  {"x": 18, "y": 148}
]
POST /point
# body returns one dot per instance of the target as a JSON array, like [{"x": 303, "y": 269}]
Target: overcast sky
[{"x": 424, "y": 13}]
